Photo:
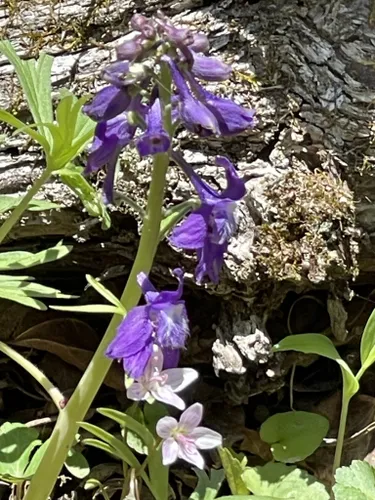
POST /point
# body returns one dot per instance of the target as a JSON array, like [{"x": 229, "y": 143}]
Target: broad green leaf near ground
[
  {"x": 234, "y": 467},
  {"x": 356, "y": 482},
  {"x": 207, "y": 486},
  {"x": 314, "y": 343},
  {"x": 16, "y": 445},
  {"x": 294, "y": 435},
  {"x": 280, "y": 481}
]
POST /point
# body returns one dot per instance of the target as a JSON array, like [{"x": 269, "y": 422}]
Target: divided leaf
[
  {"x": 35, "y": 79},
  {"x": 356, "y": 482},
  {"x": 280, "y": 481},
  {"x": 90, "y": 198},
  {"x": 17, "y": 260},
  {"x": 294, "y": 435}
]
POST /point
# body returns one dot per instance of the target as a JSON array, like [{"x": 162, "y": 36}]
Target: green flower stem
[
  {"x": 341, "y": 434},
  {"x": 21, "y": 207},
  {"x": 66, "y": 427},
  {"x": 39, "y": 376}
]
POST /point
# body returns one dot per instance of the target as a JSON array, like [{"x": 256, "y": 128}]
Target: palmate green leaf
[
  {"x": 74, "y": 130},
  {"x": 16, "y": 445},
  {"x": 18, "y": 289},
  {"x": 8, "y": 202},
  {"x": 294, "y": 435},
  {"x": 21, "y": 260},
  {"x": 234, "y": 466},
  {"x": 208, "y": 486},
  {"x": 280, "y": 481},
  {"x": 21, "y": 126},
  {"x": 368, "y": 345},
  {"x": 35, "y": 79},
  {"x": 356, "y": 482},
  {"x": 314, "y": 343},
  {"x": 90, "y": 198}
]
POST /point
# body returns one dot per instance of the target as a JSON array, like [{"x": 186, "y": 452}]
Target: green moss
[{"x": 311, "y": 232}]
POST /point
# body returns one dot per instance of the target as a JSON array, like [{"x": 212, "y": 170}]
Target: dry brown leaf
[
  {"x": 253, "y": 444},
  {"x": 72, "y": 340}
]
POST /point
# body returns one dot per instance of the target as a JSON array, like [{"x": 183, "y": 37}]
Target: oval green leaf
[{"x": 294, "y": 435}]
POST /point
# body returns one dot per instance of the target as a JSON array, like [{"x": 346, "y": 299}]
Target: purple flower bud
[
  {"x": 155, "y": 139},
  {"x": 210, "y": 68},
  {"x": 143, "y": 24},
  {"x": 130, "y": 49},
  {"x": 200, "y": 43},
  {"x": 107, "y": 103},
  {"x": 178, "y": 36},
  {"x": 115, "y": 73}
]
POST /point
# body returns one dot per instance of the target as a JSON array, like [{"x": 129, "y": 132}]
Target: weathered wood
[{"x": 308, "y": 220}]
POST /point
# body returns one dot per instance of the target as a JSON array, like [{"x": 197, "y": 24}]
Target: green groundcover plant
[{"x": 152, "y": 89}]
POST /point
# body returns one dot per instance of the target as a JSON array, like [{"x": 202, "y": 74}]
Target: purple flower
[
  {"x": 155, "y": 139},
  {"x": 107, "y": 103},
  {"x": 195, "y": 115},
  {"x": 231, "y": 117},
  {"x": 209, "y": 228},
  {"x": 200, "y": 43},
  {"x": 109, "y": 139},
  {"x": 162, "y": 321},
  {"x": 183, "y": 439},
  {"x": 160, "y": 384},
  {"x": 210, "y": 68}
]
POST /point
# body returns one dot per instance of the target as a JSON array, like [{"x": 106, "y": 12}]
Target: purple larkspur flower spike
[
  {"x": 209, "y": 228},
  {"x": 162, "y": 321},
  {"x": 107, "y": 103},
  {"x": 210, "y": 68},
  {"x": 195, "y": 115},
  {"x": 185, "y": 438},
  {"x": 155, "y": 139}
]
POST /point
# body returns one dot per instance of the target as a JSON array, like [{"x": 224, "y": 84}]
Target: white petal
[
  {"x": 155, "y": 363},
  {"x": 165, "y": 394},
  {"x": 179, "y": 378},
  {"x": 137, "y": 392},
  {"x": 205, "y": 438},
  {"x": 166, "y": 426},
  {"x": 169, "y": 451},
  {"x": 191, "y": 417},
  {"x": 190, "y": 454}
]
